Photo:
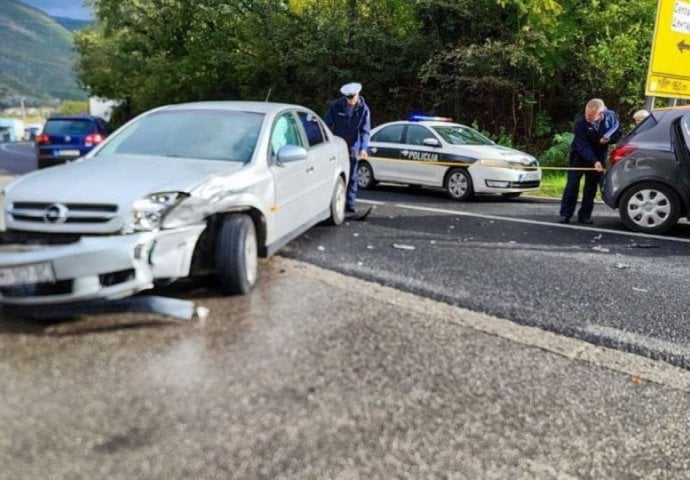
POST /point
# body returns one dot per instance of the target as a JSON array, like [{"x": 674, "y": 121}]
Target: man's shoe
[
  {"x": 350, "y": 210},
  {"x": 585, "y": 221},
  {"x": 564, "y": 220}
]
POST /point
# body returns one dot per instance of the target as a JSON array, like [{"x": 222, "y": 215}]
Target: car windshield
[
  {"x": 461, "y": 135},
  {"x": 200, "y": 134}
]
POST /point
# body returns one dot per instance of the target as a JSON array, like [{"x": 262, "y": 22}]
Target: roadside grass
[{"x": 553, "y": 184}]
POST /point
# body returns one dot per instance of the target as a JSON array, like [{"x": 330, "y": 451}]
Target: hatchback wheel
[
  {"x": 458, "y": 184},
  {"x": 650, "y": 208},
  {"x": 365, "y": 175}
]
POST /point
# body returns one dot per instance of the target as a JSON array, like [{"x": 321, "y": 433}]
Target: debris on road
[
  {"x": 173, "y": 308},
  {"x": 401, "y": 246}
]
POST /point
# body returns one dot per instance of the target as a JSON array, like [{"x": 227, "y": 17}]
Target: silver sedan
[{"x": 180, "y": 190}]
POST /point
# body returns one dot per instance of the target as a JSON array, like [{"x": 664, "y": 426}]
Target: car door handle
[{"x": 310, "y": 169}]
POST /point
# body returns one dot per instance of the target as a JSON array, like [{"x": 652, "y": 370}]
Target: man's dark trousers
[
  {"x": 572, "y": 188},
  {"x": 352, "y": 185}
]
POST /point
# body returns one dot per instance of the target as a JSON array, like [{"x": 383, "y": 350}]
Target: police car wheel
[
  {"x": 458, "y": 184},
  {"x": 650, "y": 208},
  {"x": 365, "y": 175}
]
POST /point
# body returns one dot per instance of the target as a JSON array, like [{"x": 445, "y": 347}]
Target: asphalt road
[
  {"x": 17, "y": 158},
  {"x": 511, "y": 259},
  {"x": 316, "y": 374},
  {"x": 320, "y": 375}
]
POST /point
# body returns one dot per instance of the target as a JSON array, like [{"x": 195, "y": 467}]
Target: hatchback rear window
[{"x": 69, "y": 127}]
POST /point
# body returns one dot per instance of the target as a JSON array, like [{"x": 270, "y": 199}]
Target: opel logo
[{"x": 55, "y": 213}]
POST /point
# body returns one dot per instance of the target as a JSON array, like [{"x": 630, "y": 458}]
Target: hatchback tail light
[
  {"x": 42, "y": 139},
  {"x": 93, "y": 139},
  {"x": 621, "y": 152}
]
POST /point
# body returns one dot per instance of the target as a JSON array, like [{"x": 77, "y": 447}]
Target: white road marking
[{"x": 530, "y": 222}]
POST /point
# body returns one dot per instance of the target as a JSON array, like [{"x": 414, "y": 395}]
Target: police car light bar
[{"x": 419, "y": 118}]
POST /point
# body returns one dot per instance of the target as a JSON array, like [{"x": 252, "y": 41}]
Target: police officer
[
  {"x": 594, "y": 131},
  {"x": 349, "y": 117}
]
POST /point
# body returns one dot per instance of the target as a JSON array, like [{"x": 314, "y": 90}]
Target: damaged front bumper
[{"x": 93, "y": 267}]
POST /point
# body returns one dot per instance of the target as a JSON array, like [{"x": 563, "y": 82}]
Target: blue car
[{"x": 67, "y": 137}]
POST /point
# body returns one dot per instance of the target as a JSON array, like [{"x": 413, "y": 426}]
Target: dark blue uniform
[
  {"x": 585, "y": 151},
  {"x": 353, "y": 124}
]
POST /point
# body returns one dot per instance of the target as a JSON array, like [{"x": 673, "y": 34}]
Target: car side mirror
[
  {"x": 431, "y": 142},
  {"x": 291, "y": 153}
]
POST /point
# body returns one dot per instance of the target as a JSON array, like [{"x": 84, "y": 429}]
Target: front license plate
[
  {"x": 529, "y": 176},
  {"x": 26, "y": 274},
  {"x": 67, "y": 153}
]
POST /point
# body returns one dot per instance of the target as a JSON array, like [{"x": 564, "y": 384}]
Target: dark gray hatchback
[{"x": 648, "y": 179}]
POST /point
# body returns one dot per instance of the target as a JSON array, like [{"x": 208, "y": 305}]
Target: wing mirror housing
[
  {"x": 291, "y": 153},
  {"x": 431, "y": 142}
]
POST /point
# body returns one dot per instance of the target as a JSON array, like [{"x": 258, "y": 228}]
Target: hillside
[
  {"x": 36, "y": 56},
  {"x": 72, "y": 24}
]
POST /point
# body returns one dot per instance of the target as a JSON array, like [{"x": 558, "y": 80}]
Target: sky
[{"x": 62, "y": 8}]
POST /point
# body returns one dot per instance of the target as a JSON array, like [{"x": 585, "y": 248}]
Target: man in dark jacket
[
  {"x": 349, "y": 118},
  {"x": 594, "y": 131}
]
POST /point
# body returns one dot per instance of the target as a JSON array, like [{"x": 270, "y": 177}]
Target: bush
[
  {"x": 503, "y": 138},
  {"x": 557, "y": 154}
]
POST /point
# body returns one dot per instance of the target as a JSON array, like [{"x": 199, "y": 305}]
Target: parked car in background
[
  {"x": 183, "y": 190},
  {"x": 435, "y": 152},
  {"x": 68, "y": 137},
  {"x": 647, "y": 179},
  {"x": 31, "y": 131}
]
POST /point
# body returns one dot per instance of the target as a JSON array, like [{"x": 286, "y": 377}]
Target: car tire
[
  {"x": 365, "y": 175},
  {"x": 236, "y": 255},
  {"x": 511, "y": 194},
  {"x": 458, "y": 184},
  {"x": 649, "y": 207},
  {"x": 338, "y": 201}
]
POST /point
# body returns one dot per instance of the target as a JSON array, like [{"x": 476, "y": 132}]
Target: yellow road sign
[{"x": 669, "y": 63}]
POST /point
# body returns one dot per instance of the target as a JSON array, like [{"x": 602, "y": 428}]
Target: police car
[{"x": 434, "y": 151}]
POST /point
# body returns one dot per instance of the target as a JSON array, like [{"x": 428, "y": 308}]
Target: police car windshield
[{"x": 461, "y": 135}]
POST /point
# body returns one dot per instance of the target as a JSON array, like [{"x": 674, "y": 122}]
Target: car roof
[
  {"x": 73, "y": 117},
  {"x": 426, "y": 123},
  {"x": 245, "y": 106}
]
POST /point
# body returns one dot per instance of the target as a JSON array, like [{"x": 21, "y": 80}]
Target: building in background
[
  {"x": 102, "y": 107},
  {"x": 11, "y": 130}
]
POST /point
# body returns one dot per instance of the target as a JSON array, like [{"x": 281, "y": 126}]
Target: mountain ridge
[{"x": 36, "y": 56}]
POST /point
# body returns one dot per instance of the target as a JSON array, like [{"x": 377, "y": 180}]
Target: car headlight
[
  {"x": 494, "y": 162},
  {"x": 148, "y": 212}
]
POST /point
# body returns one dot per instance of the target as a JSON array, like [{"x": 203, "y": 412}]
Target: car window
[
  {"x": 461, "y": 135},
  {"x": 312, "y": 127},
  {"x": 655, "y": 129},
  {"x": 416, "y": 134},
  {"x": 68, "y": 127},
  {"x": 200, "y": 134},
  {"x": 285, "y": 132},
  {"x": 392, "y": 134}
]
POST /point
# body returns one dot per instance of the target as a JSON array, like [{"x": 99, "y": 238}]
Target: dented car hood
[{"x": 115, "y": 179}]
